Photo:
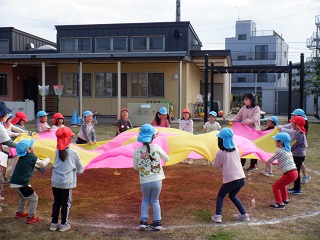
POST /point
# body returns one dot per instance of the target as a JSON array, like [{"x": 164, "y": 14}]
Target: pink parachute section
[
  {"x": 178, "y": 144},
  {"x": 246, "y": 132}
]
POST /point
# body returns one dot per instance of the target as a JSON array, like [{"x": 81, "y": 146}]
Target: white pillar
[
  {"x": 179, "y": 89},
  {"x": 43, "y": 86},
  {"x": 119, "y": 88},
  {"x": 80, "y": 89}
]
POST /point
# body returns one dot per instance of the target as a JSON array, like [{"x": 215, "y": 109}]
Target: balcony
[
  {"x": 313, "y": 41},
  {"x": 258, "y": 56}
]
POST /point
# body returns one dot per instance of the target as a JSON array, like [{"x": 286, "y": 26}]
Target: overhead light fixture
[
  {"x": 175, "y": 76},
  {"x": 14, "y": 65}
]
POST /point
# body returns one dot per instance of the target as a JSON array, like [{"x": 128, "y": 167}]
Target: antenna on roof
[
  {"x": 178, "y": 11},
  {"x": 237, "y": 8}
]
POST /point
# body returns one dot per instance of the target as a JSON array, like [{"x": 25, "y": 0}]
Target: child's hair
[
  {"x": 252, "y": 98},
  {"x": 186, "y": 111},
  {"x": 222, "y": 148},
  {"x": 63, "y": 154},
  {"x": 158, "y": 119},
  {"x": 148, "y": 147}
]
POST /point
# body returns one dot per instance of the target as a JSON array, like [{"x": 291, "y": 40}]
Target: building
[
  {"x": 149, "y": 61},
  {"x": 252, "y": 47}
]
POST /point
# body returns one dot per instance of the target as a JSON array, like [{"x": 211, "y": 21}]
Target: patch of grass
[
  {"x": 220, "y": 236},
  {"x": 204, "y": 215}
]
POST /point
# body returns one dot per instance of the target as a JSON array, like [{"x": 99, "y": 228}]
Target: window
[
  {"x": 147, "y": 43},
  {"x": 262, "y": 77},
  {"x": 111, "y": 44},
  {"x": 242, "y": 58},
  {"x": 4, "y": 46},
  {"x": 3, "y": 84},
  {"x": 70, "y": 82},
  {"x": 107, "y": 84},
  {"x": 261, "y": 52},
  {"x": 147, "y": 85},
  {"x": 241, "y": 79},
  {"x": 76, "y": 45},
  {"x": 242, "y": 36}
]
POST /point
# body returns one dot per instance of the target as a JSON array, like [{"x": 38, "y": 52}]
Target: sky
[{"x": 212, "y": 20}]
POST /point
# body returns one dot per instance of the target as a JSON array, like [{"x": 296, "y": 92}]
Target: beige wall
[
  {"x": 108, "y": 106},
  {"x": 192, "y": 85}
]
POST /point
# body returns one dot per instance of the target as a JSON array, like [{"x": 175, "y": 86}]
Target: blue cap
[
  {"x": 41, "y": 114},
  {"x": 299, "y": 112},
  {"x": 213, "y": 113},
  {"x": 274, "y": 119},
  {"x": 163, "y": 110},
  {"x": 23, "y": 146},
  {"x": 86, "y": 113},
  {"x": 285, "y": 138},
  {"x": 227, "y": 136},
  {"x": 146, "y": 133}
]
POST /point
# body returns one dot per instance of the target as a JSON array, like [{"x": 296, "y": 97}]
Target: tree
[{"x": 311, "y": 82}]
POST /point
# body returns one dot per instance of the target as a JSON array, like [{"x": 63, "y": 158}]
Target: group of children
[
  {"x": 65, "y": 168},
  {"x": 291, "y": 144}
]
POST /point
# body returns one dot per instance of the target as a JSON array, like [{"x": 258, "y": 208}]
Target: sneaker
[
  {"x": 277, "y": 206},
  {"x": 217, "y": 218},
  {"x": 266, "y": 173},
  {"x": 53, "y": 226},
  {"x": 143, "y": 224},
  {"x": 189, "y": 161},
  {"x": 295, "y": 192},
  {"x": 206, "y": 163},
  {"x": 305, "y": 179},
  {"x": 156, "y": 225},
  {"x": 64, "y": 227},
  {"x": 285, "y": 202},
  {"x": 252, "y": 168},
  {"x": 21, "y": 215},
  {"x": 6, "y": 180},
  {"x": 243, "y": 217},
  {"x": 32, "y": 220}
]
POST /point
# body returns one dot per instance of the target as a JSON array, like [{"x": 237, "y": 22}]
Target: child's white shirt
[
  {"x": 209, "y": 127},
  {"x": 186, "y": 125}
]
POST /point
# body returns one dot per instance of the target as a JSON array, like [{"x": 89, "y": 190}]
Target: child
[
  {"x": 4, "y": 136},
  {"x": 186, "y": 124},
  {"x": 249, "y": 115},
  {"x": 42, "y": 124},
  {"x": 272, "y": 122},
  {"x": 20, "y": 180},
  {"x": 3, "y": 165},
  {"x": 211, "y": 125},
  {"x": 87, "y": 132},
  {"x": 288, "y": 168},
  {"x": 228, "y": 159},
  {"x": 298, "y": 148},
  {"x": 64, "y": 177},
  {"x": 300, "y": 112},
  {"x": 12, "y": 130},
  {"x": 19, "y": 120},
  {"x": 146, "y": 159},
  {"x": 161, "y": 119},
  {"x": 123, "y": 124},
  {"x": 57, "y": 121}
]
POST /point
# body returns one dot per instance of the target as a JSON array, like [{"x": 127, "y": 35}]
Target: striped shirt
[{"x": 285, "y": 160}]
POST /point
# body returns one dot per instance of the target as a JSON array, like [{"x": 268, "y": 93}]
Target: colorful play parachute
[{"x": 117, "y": 153}]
